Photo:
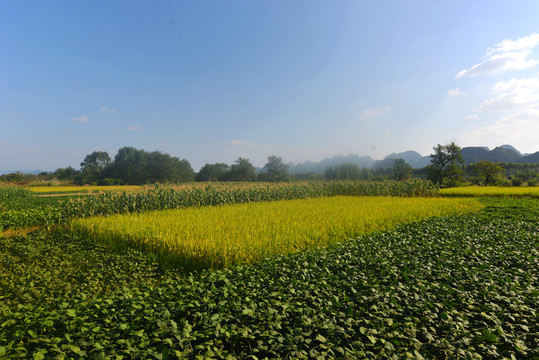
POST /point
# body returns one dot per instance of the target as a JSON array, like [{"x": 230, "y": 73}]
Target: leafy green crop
[
  {"x": 19, "y": 207},
  {"x": 16, "y": 198},
  {"x": 454, "y": 287}
]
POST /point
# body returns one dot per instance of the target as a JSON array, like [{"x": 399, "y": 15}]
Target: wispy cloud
[
  {"x": 134, "y": 127},
  {"x": 515, "y": 105},
  {"x": 375, "y": 112},
  {"x": 472, "y": 117},
  {"x": 456, "y": 92},
  {"x": 515, "y": 94},
  {"x": 236, "y": 142},
  {"x": 106, "y": 109},
  {"x": 521, "y": 127},
  {"x": 506, "y": 55},
  {"x": 81, "y": 119}
]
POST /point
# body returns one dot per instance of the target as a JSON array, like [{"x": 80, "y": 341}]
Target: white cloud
[
  {"x": 524, "y": 43},
  {"x": 506, "y": 55},
  {"x": 472, "y": 117},
  {"x": 515, "y": 105},
  {"x": 236, "y": 142},
  {"x": 519, "y": 129},
  {"x": 372, "y": 112},
  {"x": 134, "y": 127},
  {"x": 81, "y": 119},
  {"x": 515, "y": 94},
  {"x": 106, "y": 109},
  {"x": 456, "y": 92}
]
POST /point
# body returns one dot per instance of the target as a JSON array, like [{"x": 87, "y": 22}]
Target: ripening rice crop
[
  {"x": 491, "y": 191},
  {"x": 217, "y": 236}
]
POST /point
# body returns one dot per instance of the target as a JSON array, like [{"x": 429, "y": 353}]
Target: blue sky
[{"x": 212, "y": 80}]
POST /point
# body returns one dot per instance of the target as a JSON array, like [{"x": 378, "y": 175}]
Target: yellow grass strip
[
  {"x": 82, "y": 189},
  {"x": 491, "y": 191},
  {"x": 217, "y": 236}
]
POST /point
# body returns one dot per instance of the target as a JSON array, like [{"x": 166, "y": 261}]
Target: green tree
[
  {"x": 94, "y": 165},
  {"x": 212, "y": 172},
  {"x": 446, "y": 164},
  {"x": 401, "y": 170},
  {"x": 366, "y": 174},
  {"x": 13, "y": 177},
  {"x": 275, "y": 170},
  {"x": 68, "y": 173},
  {"x": 346, "y": 171},
  {"x": 242, "y": 170},
  {"x": 130, "y": 165},
  {"x": 162, "y": 168},
  {"x": 488, "y": 171},
  {"x": 137, "y": 167}
]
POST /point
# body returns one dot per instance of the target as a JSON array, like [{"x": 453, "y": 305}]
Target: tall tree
[
  {"x": 346, "y": 171},
  {"x": 275, "y": 170},
  {"x": 488, "y": 171},
  {"x": 242, "y": 170},
  {"x": 401, "y": 170},
  {"x": 94, "y": 164},
  {"x": 162, "y": 168},
  {"x": 212, "y": 172},
  {"x": 446, "y": 163},
  {"x": 130, "y": 165}
]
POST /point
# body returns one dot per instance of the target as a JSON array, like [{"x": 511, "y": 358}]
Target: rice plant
[
  {"x": 218, "y": 236},
  {"x": 524, "y": 191}
]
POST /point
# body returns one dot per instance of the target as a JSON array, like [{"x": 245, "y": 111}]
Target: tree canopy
[
  {"x": 212, "y": 172},
  {"x": 446, "y": 163},
  {"x": 275, "y": 170},
  {"x": 401, "y": 170},
  {"x": 242, "y": 170},
  {"x": 488, "y": 171},
  {"x": 93, "y": 165}
]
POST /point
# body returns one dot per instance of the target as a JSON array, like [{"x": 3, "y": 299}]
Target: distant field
[
  {"x": 491, "y": 191},
  {"x": 216, "y": 236},
  {"x": 80, "y": 189}
]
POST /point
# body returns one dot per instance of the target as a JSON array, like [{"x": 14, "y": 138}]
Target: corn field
[{"x": 162, "y": 198}]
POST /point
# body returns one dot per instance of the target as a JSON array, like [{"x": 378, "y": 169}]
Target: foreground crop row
[{"x": 453, "y": 287}]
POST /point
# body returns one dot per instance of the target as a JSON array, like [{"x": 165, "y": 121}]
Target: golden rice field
[
  {"x": 81, "y": 189},
  {"x": 217, "y": 236},
  {"x": 491, "y": 191}
]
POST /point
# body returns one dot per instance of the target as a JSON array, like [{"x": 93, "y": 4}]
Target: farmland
[
  {"x": 244, "y": 233},
  {"x": 458, "y": 285},
  {"x": 477, "y": 191},
  {"x": 80, "y": 189}
]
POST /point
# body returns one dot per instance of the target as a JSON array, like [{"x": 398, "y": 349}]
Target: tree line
[{"x": 137, "y": 167}]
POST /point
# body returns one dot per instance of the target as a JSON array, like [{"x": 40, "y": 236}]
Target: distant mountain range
[
  {"x": 471, "y": 155},
  {"x": 31, "y": 172}
]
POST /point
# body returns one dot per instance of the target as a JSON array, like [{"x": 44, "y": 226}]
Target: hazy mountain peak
[{"x": 509, "y": 147}]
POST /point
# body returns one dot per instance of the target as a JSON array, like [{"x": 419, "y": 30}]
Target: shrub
[
  {"x": 516, "y": 181},
  {"x": 503, "y": 182}
]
